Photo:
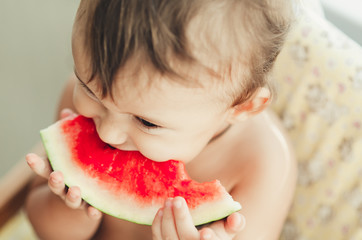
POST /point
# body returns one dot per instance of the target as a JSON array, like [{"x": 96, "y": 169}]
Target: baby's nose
[{"x": 112, "y": 133}]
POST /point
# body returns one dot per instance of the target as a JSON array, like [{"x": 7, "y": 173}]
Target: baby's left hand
[{"x": 174, "y": 221}]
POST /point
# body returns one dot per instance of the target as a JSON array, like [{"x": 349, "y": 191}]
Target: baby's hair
[{"x": 242, "y": 37}]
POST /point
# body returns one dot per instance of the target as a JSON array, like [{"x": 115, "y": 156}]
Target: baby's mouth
[
  {"x": 110, "y": 146},
  {"x": 122, "y": 148}
]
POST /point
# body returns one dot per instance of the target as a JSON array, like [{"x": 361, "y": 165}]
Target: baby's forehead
[
  {"x": 138, "y": 72},
  {"x": 150, "y": 85}
]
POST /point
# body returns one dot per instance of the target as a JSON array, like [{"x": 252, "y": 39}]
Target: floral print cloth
[{"x": 319, "y": 77}]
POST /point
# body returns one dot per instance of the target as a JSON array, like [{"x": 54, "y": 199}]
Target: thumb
[{"x": 235, "y": 223}]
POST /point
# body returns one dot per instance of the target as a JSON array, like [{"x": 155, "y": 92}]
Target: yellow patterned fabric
[{"x": 319, "y": 76}]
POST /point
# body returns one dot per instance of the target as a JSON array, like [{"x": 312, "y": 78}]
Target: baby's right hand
[
  {"x": 56, "y": 184},
  {"x": 72, "y": 195}
]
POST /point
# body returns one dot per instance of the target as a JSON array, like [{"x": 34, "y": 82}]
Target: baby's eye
[
  {"x": 146, "y": 123},
  {"x": 88, "y": 91}
]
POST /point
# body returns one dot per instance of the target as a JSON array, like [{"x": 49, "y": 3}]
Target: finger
[
  {"x": 184, "y": 224},
  {"x": 156, "y": 226},
  {"x": 39, "y": 165},
  {"x": 235, "y": 223},
  {"x": 56, "y": 184},
  {"x": 168, "y": 228},
  {"x": 73, "y": 198},
  {"x": 94, "y": 213},
  {"x": 216, "y": 230},
  {"x": 207, "y": 234},
  {"x": 66, "y": 112}
]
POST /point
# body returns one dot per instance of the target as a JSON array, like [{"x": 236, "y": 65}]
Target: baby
[{"x": 177, "y": 79}]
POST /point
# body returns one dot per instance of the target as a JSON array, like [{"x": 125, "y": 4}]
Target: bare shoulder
[
  {"x": 267, "y": 176},
  {"x": 264, "y": 144},
  {"x": 274, "y": 150}
]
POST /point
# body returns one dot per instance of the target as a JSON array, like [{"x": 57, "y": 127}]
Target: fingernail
[
  {"x": 242, "y": 222},
  {"x": 55, "y": 180},
  {"x": 177, "y": 203},
  {"x": 94, "y": 213},
  {"x": 29, "y": 159},
  {"x": 207, "y": 236},
  {"x": 160, "y": 213},
  {"x": 239, "y": 222},
  {"x": 238, "y": 219},
  {"x": 66, "y": 111},
  {"x": 73, "y": 195},
  {"x": 168, "y": 202}
]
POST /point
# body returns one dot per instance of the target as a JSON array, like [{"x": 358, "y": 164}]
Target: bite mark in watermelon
[{"x": 125, "y": 184}]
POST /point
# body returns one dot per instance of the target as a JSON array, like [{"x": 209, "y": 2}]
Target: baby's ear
[{"x": 257, "y": 103}]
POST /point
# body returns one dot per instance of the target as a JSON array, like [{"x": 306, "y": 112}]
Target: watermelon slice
[{"x": 125, "y": 184}]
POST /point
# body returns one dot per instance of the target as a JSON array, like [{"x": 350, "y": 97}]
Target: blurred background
[{"x": 36, "y": 60}]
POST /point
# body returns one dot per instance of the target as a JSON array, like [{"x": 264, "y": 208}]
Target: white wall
[
  {"x": 346, "y": 15},
  {"x": 35, "y": 61}
]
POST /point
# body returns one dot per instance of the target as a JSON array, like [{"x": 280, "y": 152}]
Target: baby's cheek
[{"x": 85, "y": 105}]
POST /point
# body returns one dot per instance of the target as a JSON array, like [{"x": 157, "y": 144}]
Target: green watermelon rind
[{"x": 74, "y": 176}]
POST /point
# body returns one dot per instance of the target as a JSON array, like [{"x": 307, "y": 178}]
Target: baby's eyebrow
[{"x": 83, "y": 84}]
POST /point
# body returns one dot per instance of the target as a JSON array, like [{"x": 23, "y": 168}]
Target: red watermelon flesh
[{"x": 125, "y": 184}]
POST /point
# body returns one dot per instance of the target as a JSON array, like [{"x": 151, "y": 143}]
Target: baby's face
[{"x": 163, "y": 122}]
